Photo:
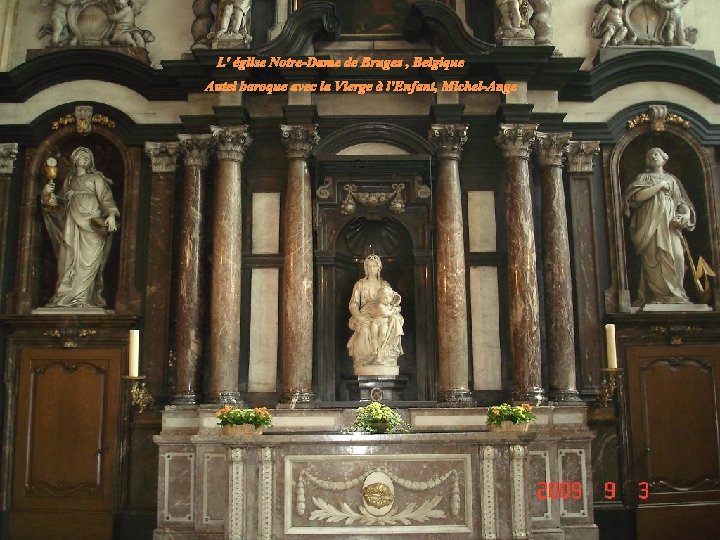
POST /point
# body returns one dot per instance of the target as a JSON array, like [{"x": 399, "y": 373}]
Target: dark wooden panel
[
  {"x": 674, "y": 416},
  {"x": 663, "y": 522},
  {"x": 66, "y": 444}
]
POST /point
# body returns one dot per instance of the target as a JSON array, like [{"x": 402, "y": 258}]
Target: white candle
[
  {"x": 611, "y": 350},
  {"x": 134, "y": 354}
]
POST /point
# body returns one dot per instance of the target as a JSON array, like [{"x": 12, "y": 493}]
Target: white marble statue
[
  {"x": 659, "y": 209},
  {"x": 233, "y": 18},
  {"x": 124, "y": 31},
  {"x": 58, "y": 24},
  {"x": 376, "y": 323},
  {"x": 80, "y": 220},
  {"x": 608, "y": 24},
  {"x": 513, "y": 20},
  {"x": 672, "y": 31}
]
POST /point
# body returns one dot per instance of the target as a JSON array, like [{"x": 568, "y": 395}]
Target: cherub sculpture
[
  {"x": 234, "y": 17},
  {"x": 513, "y": 18},
  {"x": 608, "y": 24},
  {"x": 124, "y": 31},
  {"x": 672, "y": 31},
  {"x": 58, "y": 24}
]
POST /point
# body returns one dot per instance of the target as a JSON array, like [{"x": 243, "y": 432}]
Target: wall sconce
[
  {"x": 611, "y": 384},
  {"x": 139, "y": 395}
]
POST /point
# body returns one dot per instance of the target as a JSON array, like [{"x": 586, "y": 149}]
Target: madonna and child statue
[{"x": 377, "y": 325}]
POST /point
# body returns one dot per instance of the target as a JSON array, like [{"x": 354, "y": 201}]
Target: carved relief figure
[
  {"x": 608, "y": 24},
  {"x": 375, "y": 319},
  {"x": 659, "y": 209},
  {"x": 80, "y": 220},
  {"x": 513, "y": 16},
  {"x": 234, "y": 17},
  {"x": 58, "y": 24},
  {"x": 672, "y": 31},
  {"x": 124, "y": 31}
]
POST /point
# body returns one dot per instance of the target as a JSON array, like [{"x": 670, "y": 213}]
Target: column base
[
  {"x": 296, "y": 398},
  {"x": 534, "y": 396},
  {"x": 376, "y": 388},
  {"x": 566, "y": 397},
  {"x": 185, "y": 399},
  {"x": 456, "y": 397},
  {"x": 226, "y": 398}
]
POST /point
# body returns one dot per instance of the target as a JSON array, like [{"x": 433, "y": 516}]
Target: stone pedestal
[{"x": 376, "y": 388}]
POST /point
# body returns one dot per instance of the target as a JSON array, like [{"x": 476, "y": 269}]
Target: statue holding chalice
[{"x": 80, "y": 220}]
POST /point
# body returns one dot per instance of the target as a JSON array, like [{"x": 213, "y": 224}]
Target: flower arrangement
[
  {"x": 517, "y": 414},
  {"x": 378, "y": 418},
  {"x": 233, "y": 416}
]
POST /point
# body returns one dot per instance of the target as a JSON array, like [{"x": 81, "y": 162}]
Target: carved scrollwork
[
  {"x": 422, "y": 191},
  {"x": 69, "y": 336},
  {"x": 323, "y": 192}
]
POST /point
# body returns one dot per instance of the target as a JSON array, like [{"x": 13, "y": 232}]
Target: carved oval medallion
[{"x": 378, "y": 493}]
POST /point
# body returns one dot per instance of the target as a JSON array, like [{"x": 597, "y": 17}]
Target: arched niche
[
  {"x": 690, "y": 162},
  {"x": 401, "y": 237},
  {"x": 36, "y": 272}
]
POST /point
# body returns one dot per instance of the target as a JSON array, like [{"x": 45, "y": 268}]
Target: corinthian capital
[
  {"x": 195, "y": 149},
  {"x": 580, "y": 155},
  {"x": 231, "y": 141},
  {"x": 448, "y": 139},
  {"x": 299, "y": 139},
  {"x": 163, "y": 156},
  {"x": 8, "y": 153},
  {"x": 551, "y": 148},
  {"x": 515, "y": 140}
]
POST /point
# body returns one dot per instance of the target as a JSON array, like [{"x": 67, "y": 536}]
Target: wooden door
[
  {"x": 66, "y": 444},
  {"x": 674, "y": 414}
]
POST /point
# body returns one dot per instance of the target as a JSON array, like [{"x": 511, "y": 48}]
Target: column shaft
[
  {"x": 590, "y": 331},
  {"x": 226, "y": 278},
  {"x": 163, "y": 157},
  {"x": 189, "y": 306},
  {"x": 8, "y": 153},
  {"x": 559, "y": 318},
  {"x": 297, "y": 305},
  {"x": 450, "y": 267},
  {"x": 515, "y": 141}
]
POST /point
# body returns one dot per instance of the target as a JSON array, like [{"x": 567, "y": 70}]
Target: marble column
[
  {"x": 163, "y": 161},
  {"x": 231, "y": 143},
  {"x": 297, "y": 304},
  {"x": 8, "y": 153},
  {"x": 589, "y": 313},
  {"x": 188, "y": 300},
  {"x": 453, "y": 388},
  {"x": 559, "y": 317},
  {"x": 516, "y": 140}
]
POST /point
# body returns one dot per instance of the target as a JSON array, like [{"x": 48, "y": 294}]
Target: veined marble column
[
  {"x": 515, "y": 140},
  {"x": 448, "y": 140},
  {"x": 188, "y": 304},
  {"x": 559, "y": 320},
  {"x": 163, "y": 160},
  {"x": 227, "y": 269},
  {"x": 297, "y": 305},
  {"x": 590, "y": 331},
  {"x": 8, "y": 153}
]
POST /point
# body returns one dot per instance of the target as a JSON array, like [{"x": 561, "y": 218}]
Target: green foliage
[
  {"x": 515, "y": 414},
  {"x": 232, "y": 416}
]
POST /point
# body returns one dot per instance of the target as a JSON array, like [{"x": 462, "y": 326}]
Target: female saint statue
[
  {"x": 376, "y": 323},
  {"x": 659, "y": 209},
  {"x": 80, "y": 220}
]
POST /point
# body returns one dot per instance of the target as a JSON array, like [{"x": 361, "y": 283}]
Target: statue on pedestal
[
  {"x": 232, "y": 27},
  {"x": 659, "y": 209},
  {"x": 80, "y": 220},
  {"x": 376, "y": 323}
]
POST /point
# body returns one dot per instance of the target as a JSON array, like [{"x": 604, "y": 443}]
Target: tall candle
[
  {"x": 134, "y": 354},
  {"x": 611, "y": 350}
]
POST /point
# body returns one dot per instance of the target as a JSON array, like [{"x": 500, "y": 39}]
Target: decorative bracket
[
  {"x": 84, "y": 119},
  {"x": 658, "y": 117}
]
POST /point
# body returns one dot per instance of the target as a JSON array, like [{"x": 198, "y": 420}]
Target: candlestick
[
  {"x": 611, "y": 349},
  {"x": 134, "y": 354}
]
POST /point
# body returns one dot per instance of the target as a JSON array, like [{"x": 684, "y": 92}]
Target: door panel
[
  {"x": 66, "y": 442},
  {"x": 674, "y": 417}
]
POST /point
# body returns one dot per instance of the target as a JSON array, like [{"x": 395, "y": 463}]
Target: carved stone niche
[
  {"x": 381, "y": 205},
  {"x": 36, "y": 270},
  {"x": 691, "y": 164}
]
